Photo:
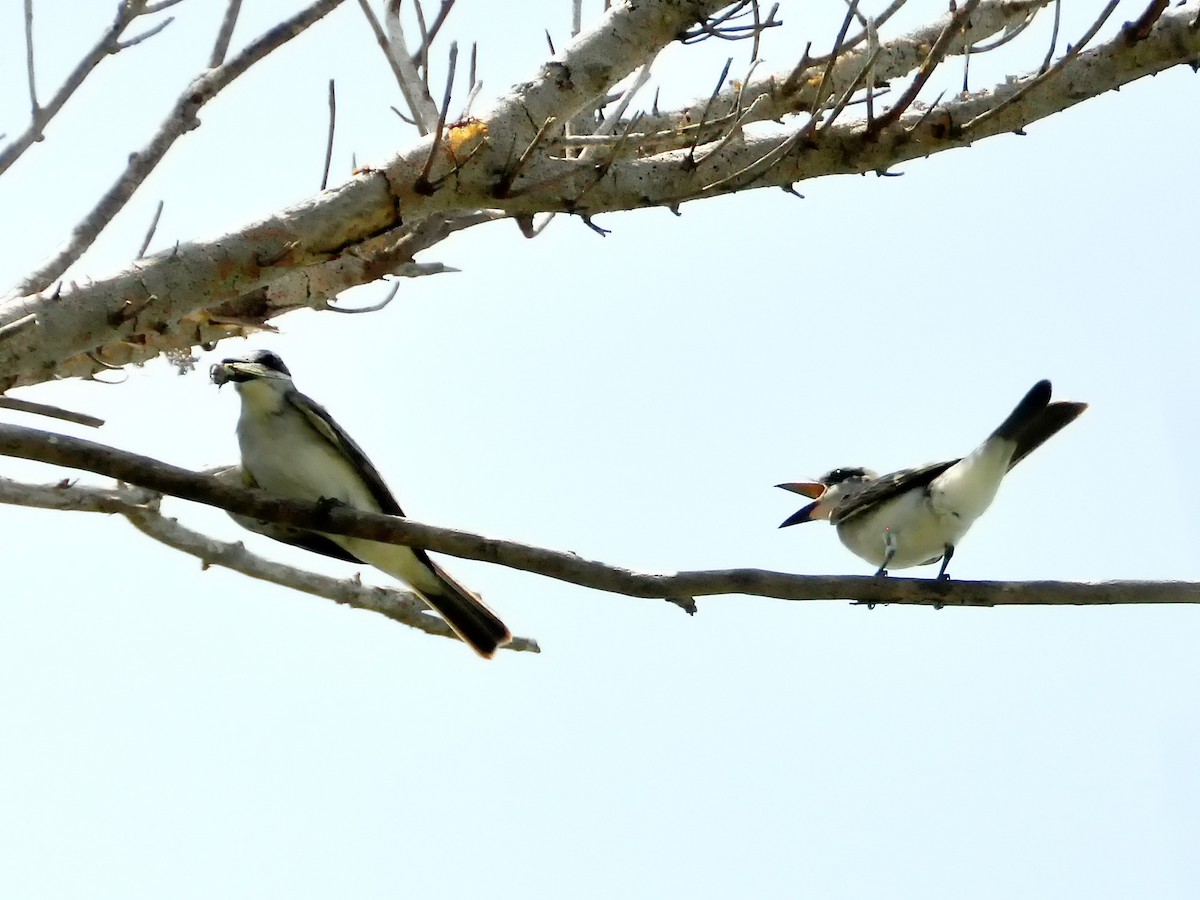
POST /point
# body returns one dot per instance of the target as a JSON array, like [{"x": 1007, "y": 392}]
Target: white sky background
[{"x": 170, "y": 732}]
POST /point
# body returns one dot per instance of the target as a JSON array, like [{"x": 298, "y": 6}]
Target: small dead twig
[
  {"x": 958, "y": 23},
  {"x": 225, "y": 35},
  {"x": 1053, "y": 38},
  {"x": 1138, "y": 31},
  {"x": 1042, "y": 78},
  {"x": 34, "y": 110},
  {"x": 329, "y": 137},
  {"x": 689, "y": 161},
  {"x": 423, "y": 184},
  {"x": 52, "y": 412},
  {"x": 150, "y": 231}
]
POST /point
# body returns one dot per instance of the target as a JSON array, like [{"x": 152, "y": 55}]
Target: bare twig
[
  {"x": 152, "y": 8},
  {"x": 423, "y": 184},
  {"x": 1009, "y": 35},
  {"x": 329, "y": 139},
  {"x": 718, "y": 26},
  {"x": 819, "y": 97},
  {"x": 430, "y": 36},
  {"x": 182, "y": 119},
  {"x": 374, "y": 307},
  {"x": 108, "y": 44},
  {"x": 404, "y": 76},
  {"x": 473, "y": 80},
  {"x": 1047, "y": 74},
  {"x": 412, "y": 83},
  {"x": 52, "y": 412},
  {"x": 150, "y": 231},
  {"x": 34, "y": 109},
  {"x": 936, "y": 54},
  {"x": 689, "y": 161},
  {"x": 676, "y": 587},
  {"x": 1140, "y": 30},
  {"x": 1053, "y": 38},
  {"x": 225, "y": 35},
  {"x": 852, "y": 42},
  {"x": 16, "y": 326},
  {"x": 613, "y": 118},
  {"x": 145, "y": 35},
  {"x": 140, "y": 507}
]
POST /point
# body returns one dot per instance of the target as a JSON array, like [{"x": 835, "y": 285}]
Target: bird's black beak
[
  {"x": 814, "y": 490},
  {"x": 802, "y": 515}
]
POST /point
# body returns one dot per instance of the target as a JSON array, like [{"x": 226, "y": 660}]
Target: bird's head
[
  {"x": 261, "y": 365},
  {"x": 826, "y": 492}
]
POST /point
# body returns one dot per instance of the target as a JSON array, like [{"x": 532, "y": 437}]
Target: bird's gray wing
[
  {"x": 285, "y": 534},
  {"x": 474, "y": 622},
  {"x": 324, "y": 424},
  {"x": 885, "y": 487}
]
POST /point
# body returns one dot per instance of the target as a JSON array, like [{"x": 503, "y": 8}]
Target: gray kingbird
[
  {"x": 915, "y": 517},
  {"x": 292, "y": 447}
]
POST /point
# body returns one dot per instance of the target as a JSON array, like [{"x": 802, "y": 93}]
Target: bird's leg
[
  {"x": 889, "y": 551},
  {"x": 326, "y": 505},
  {"x": 942, "y": 576}
]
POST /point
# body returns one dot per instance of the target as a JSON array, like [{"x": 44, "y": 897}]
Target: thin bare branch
[
  {"x": 958, "y": 23},
  {"x": 140, "y": 507},
  {"x": 150, "y": 231},
  {"x": 1053, "y": 38},
  {"x": 424, "y": 184},
  {"x": 677, "y": 587},
  {"x": 374, "y": 307},
  {"x": 1140, "y": 30},
  {"x": 34, "y": 109},
  {"x": 51, "y": 412},
  {"x": 105, "y": 46},
  {"x": 1043, "y": 77},
  {"x": 413, "y": 84},
  {"x": 1009, "y": 35},
  {"x": 427, "y": 38},
  {"x": 152, "y": 8},
  {"x": 16, "y": 326},
  {"x": 182, "y": 119},
  {"x": 329, "y": 138},
  {"x": 225, "y": 35},
  {"x": 145, "y": 35}
]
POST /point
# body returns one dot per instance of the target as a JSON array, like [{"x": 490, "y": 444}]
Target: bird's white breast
[
  {"x": 920, "y": 533},
  {"x": 286, "y": 456},
  {"x": 923, "y": 522}
]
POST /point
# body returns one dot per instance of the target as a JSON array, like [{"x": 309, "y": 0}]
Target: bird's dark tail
[
  {"x": 1036, "y": 420},
  {"x": 477, "y": 625},
  {"x": 1030, "y": 407},
  {"x": 1044, "y": 426}
]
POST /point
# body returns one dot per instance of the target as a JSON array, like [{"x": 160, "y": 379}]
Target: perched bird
[
  {"x": 915, "y": 517},
  {"x": 292, "y": 447}
]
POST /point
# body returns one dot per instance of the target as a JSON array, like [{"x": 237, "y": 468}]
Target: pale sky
[{"x": 173, "y": 732}]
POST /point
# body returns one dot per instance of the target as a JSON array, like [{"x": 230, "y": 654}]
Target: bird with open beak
[
  {"x": 915, "y": 517},
  {"x": 291, "y": 446}
]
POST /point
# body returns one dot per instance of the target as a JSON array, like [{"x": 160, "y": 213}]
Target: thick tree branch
[
  {"x": 679, "y": 587},
  {"x": 174, "y": 299},
  {"x": 149, "y": 300},
  {"x": 140, "y": 507}
]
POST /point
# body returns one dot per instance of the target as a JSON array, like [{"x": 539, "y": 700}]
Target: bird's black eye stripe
[
  {"x": 837, "y": 476},
  {"x": 270, "y": 360}
]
